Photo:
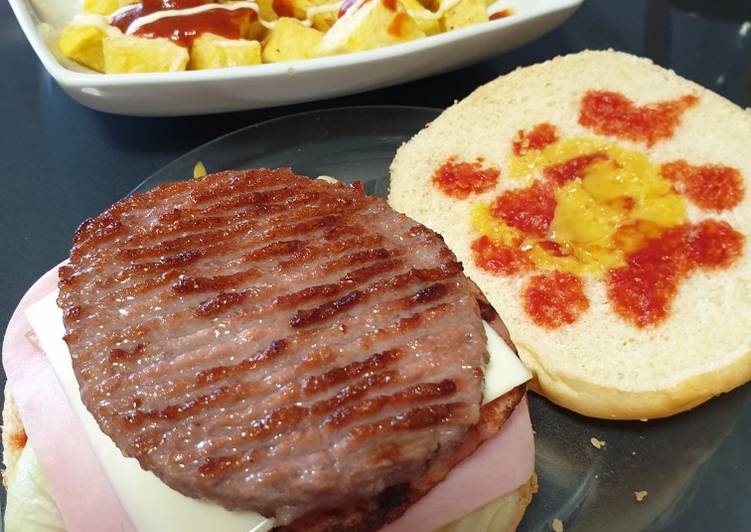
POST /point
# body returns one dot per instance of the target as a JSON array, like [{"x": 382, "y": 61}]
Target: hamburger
[{"x": 256, "y": 350}]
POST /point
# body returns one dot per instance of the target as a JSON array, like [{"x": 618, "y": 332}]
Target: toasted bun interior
[{"x": 600, "y": 365}]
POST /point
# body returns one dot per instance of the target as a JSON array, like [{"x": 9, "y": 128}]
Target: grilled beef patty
[{"x": 273, "y": 343}]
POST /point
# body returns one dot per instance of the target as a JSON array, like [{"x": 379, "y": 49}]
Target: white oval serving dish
[{"x": 268, "y": 85}]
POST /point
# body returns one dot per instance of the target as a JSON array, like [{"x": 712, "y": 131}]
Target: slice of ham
[
  {"x": 498, "y": 467},
  {"x": 88, "y": 502},
  {"x": 76, "y": 480}
]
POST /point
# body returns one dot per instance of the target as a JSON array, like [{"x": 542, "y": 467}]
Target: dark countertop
[{"x": 63, "y": 162}]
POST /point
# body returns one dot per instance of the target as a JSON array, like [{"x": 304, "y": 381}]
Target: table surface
[{"x": 63, "y": 162}]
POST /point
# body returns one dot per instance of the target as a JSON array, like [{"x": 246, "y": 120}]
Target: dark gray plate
[{"x": 696, "y": 467}]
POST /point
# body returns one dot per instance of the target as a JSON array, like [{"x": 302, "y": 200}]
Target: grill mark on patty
[
  {"x": 370, "y": 407},
  {"x": 141, "y": 287},
  {"x": 69, "y": 278},
  {"x": 328, "y": 248},
  {"x": 416, "y": 418},
  {"x": 225, "y": 189},
  {"x": 186, "y": 257},
  {"x": 216, "y": 465},
  {"x": 275, "y": 249},
  {"x": 351, "y": 229},
  {"x": 429, "y": 293},
  {"x": 273, "y": 350},
  {"x": 136, "y": 333},
  {"x": 186, "y": 219},
  {"x": 186, "y": 285},
  {"x": 286, "y": 418},
  {"x": 315, "y": 384},
  {"x": 366, "y": 273},
  {"x": 321, "y": 313},
  {"x": 167, "y": 263},
  {"x": 277, "y": 348},
  {"x": 196, "y": 222},
  {"x": 224, "y": 301},
  {"x": 360, "y": 257},
  {"x": 180, "y": 411},
  {"x": 324, "y": 217},
  {"x": 96, "y": 230},
  {"x": 219, "y": 303},
  {"x": 193, "y": 240},
  {"x": 256, "y": 198},
  {"x": 119, "y": 354}
]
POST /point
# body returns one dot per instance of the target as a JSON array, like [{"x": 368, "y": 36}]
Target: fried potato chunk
[
  {"x": 104, "y": 7},
  {"x": 465, "y": 13},
  {"x": 323, "y": 13},
  {"x": 374, "y": 24},
  {"x": 126, "y": 54},
  {"x": 290, "y": 40},
  {"x": 83, "y": 44},
  {"x": 213, "y": 51},
  {"x": 426, "y": 20}
]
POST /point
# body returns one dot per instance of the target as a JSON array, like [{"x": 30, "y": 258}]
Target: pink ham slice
[
  {"x": 76, "y": 480},
  {"x": 498, "y": 467}
]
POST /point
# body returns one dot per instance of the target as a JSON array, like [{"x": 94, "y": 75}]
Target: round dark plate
[{"x": 694, "y": 467}]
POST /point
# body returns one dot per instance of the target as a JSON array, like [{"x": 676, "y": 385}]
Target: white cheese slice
[
  {"x": 504, "y": 371},
  {"x": 151, "y": 504}
]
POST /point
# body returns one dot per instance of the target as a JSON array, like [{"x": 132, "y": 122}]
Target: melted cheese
[{"x": 151, "y": 504}]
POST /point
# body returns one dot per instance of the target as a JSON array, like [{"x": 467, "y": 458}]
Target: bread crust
[
  {"x": 526, "y": 492},
  {"x": 595, "y": 400}
]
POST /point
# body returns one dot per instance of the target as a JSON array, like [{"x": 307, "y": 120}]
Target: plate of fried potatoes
[{"x": 184, "y": 57}]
